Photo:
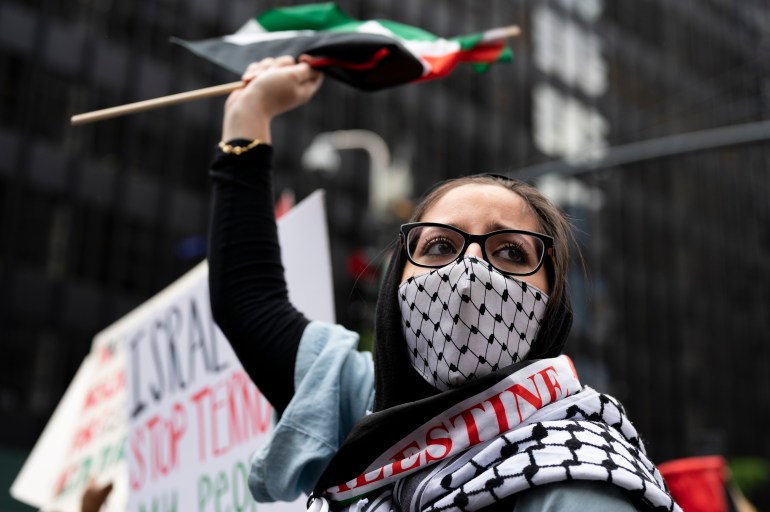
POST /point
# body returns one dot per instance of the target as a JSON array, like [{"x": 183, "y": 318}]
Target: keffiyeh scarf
[
  {"x": 468, "y": 319},
  {"x": 536, "y": 425}
]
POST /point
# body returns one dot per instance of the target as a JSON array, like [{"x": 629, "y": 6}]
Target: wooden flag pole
[
  {"x": 495, "y": 34},
  {"x": 163, "y": 101},
  {"x": 219, "y": 90}
]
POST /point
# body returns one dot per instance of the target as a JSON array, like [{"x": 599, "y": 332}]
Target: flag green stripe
[
  {"x": 348, "y": 26},
  {"x": 506, "y": 55},
  {"x": 407, "y": 32},
  {"x": 467, "y": 41},
  {"x": 328, "y": 16},
  {"x": 304, "y": 17}
]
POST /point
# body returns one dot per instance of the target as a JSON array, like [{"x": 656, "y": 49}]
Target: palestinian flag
[{"x": 369, "y": 55}]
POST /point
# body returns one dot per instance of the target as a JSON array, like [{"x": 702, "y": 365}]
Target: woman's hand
[{"x": 274, "y": 86}]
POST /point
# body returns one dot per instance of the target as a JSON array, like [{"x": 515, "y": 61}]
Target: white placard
[{"x": 162, "y": 407}]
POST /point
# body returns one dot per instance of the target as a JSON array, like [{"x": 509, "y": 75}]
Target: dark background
[{"x": 672, "y": 315}]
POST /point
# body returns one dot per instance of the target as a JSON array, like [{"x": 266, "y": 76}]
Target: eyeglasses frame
[{"x": 479, "y": 239}]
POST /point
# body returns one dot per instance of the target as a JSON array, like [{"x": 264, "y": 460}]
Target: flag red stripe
[
  {"x": 442, "y": 65},
  {"x": 488, "y": 52},
  {"x": 323, "y": 62}
]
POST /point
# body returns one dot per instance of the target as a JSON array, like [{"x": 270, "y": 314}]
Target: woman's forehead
[{"x": 485, "y": 207}]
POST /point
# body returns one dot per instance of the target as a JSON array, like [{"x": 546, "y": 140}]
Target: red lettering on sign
[
  {"x": 105, "y": 389},
  {"x": 85, "y": 434},
  {"x": 235, "y": 404},
  {"x": 157, "y": 453},
  {"x": 218, "y": 446},
  {"x": 197, "y": 399},
  {"x": 137, "y": 477},
  {"x": 256, "y": 411}
]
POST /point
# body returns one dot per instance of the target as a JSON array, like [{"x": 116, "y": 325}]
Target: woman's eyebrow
[
  {"x": 496, "y": 226},
  {"x": 523, "y": 226}
]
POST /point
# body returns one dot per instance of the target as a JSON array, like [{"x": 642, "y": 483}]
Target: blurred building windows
[
  {"x": 565, "y": 127},
  {"x": 95, "y": 220}
]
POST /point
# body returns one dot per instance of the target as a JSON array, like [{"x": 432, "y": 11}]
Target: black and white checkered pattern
[
  {"x": 466, "y": 320},
  {"x": 593, "y": 441}
]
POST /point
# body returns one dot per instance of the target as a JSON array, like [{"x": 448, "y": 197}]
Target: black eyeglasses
[{"x": 511, "y": 251}]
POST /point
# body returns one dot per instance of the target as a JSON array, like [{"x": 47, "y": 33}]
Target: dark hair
[
  {"x": 552, "y": 222},
  {"x": 394, "y": 385}
]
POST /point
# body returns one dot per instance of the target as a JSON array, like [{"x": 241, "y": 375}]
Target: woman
[{"x": 473, "y": 406}]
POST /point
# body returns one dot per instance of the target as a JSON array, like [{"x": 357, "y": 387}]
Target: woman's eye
[
  {"x": 438, "y": 247},
  {"x": 513, "y": 253}
]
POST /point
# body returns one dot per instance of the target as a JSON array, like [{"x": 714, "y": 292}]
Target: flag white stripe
[
  {"x": 251, "y": 26},
  {"x": 246, "y": 38},
  {"x": 435, "y": 48},
  {"x": 373, "y": 27}
]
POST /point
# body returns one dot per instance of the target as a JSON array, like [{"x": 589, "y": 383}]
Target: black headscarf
[{"x": 396, "y": 380}]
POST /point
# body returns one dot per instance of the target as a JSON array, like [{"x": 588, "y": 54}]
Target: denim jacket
[{"x": 334, "y": 388}]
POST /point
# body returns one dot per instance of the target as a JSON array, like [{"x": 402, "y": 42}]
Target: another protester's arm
[
  {"x": 249, "y": 297},
  {"x": 94, "y": 496}
]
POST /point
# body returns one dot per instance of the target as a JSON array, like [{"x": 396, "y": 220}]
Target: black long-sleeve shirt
[{"x": 249, "y": 298}]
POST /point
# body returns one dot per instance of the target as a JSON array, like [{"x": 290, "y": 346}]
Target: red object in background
[
  {"x": 284, "y": 203},
  {"x": 698, "y": 483},
  {"x": 360, "y": 268}
]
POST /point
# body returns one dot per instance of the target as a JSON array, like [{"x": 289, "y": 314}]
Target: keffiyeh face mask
[{"x": 466, "y": 320}]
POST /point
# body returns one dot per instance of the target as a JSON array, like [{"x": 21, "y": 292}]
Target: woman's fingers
[
  {"x": 285, "y": 60},
  {"x": 275, "y": 85},
  {"x": 304, "y": 73},
  {"x": 256, "y": 68},
  {"x": 283, "y": 69},
  {"x": 310, "y": 80}
]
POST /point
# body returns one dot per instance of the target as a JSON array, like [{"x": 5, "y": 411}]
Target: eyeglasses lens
[
  {"x": 517, "y": 253},
  {"x": 435, "y": 246}
]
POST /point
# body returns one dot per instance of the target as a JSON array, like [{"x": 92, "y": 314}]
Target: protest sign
[{"x": 162, "y": 407}]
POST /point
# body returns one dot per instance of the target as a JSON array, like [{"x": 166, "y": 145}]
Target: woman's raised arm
[{"x": 249, "y": 298}]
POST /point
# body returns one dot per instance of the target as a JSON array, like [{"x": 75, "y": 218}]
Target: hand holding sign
[{"x": 94, "y": 496}]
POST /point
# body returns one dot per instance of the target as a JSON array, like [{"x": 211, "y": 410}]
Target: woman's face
[{"x": 478, "y": 209}]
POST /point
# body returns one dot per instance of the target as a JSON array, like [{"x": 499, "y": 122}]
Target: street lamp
[{"x": 388, "y": 181}]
